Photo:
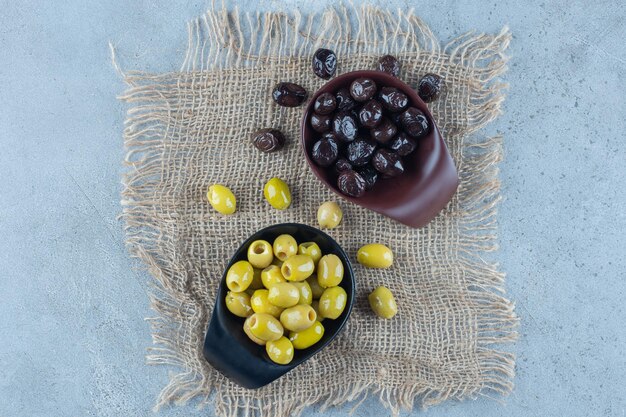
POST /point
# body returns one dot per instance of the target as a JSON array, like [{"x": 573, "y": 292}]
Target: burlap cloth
[{"x": 190, "y": 128}]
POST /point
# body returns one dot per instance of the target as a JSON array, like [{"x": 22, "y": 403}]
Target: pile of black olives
[{"x": 365, "y": 130}]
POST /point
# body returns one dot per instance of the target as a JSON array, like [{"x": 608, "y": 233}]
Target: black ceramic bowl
[{"x": 227, "y": 347}]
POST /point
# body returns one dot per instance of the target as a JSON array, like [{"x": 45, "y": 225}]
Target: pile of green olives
[{"x": 284, "y": 290}]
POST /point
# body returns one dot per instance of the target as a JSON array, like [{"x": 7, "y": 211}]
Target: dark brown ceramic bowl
[{"x": 430, "y": 178}]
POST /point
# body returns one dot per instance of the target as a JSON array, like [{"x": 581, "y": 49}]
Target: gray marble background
[{"x": 72, "y": 308}]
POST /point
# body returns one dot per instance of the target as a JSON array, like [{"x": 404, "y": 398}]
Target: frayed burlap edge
[{"x": 221, "y": 39}]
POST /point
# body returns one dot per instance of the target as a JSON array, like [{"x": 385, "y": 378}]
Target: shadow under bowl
[
  {"x": 230, "y": 351},
  {"x": 430, "y": 178}
]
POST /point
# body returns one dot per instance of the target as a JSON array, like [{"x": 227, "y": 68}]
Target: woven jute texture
[{"x": 190, "y": 128}]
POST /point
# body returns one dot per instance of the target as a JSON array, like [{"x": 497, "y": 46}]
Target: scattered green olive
[
  {"x": 383, "y": 303},
  {"x": 276, "y": 192},
  {"x": 222, "y": 199},
  {"x": 375, "y": 255},
  {"x": 329, "y": 215}
]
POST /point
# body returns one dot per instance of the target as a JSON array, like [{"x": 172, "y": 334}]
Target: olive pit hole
[
  {"x": 286, "y": 271},
  {"x": 312, "y": 315},
  {"x": 259, "y": 249},
  {"x": 281, "y": 255}
]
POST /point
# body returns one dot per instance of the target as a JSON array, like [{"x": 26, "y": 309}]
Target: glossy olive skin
[
  {"x": 316, "y": 289},
  {"x": 260, "y": 254},
  {"x": 265, "y": 327},
  {"x": 320, "y": 122},
  {"x": 280, "y": 351},
  {"x": 271, "y": 275},
  {"x": 268, "y": 140},
  {"x": 329, "y": 271},
  {"x": 297, "y": 268},
  {"x": 306, "y": 294},
  {"x": 389, "y": 64},
  {"x": 324, "y": 63},
  {"x": 375, "y": 255},
  {"x": 238, "y": 303},
  {"x": 289, "y": 94},
  {"x": 310, "y": 249},
  {"x": 261, "y": 304},
  {"x": 284, "y": 247},
  {"x": 329, "y": 215},
  {"x": 298, "y": 318},
  {"x": 283, "y": 294},
  {"x": 351, "y": 183},
  {"x": 239, "y": 276},
  {"x": 325, "y": 103},
  {"x": 222, "y": 199},
  {"x": 276, "y": 192},
  {"x": 307, "y": 338},
  {"x": 429, "y": 87},
  {"x": 333, "y": 302},
  {"x": 383, "y": 303},
  {"x": 248, "y": 332}
]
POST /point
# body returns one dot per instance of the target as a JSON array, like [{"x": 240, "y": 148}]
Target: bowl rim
[
  {"x": 348, "y": 273},
  {"x": 438, "y": 179},
  {"x": 333, "y": 85}
]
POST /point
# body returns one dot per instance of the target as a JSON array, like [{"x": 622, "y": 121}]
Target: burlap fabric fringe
[{"x": 190, "y": 128}]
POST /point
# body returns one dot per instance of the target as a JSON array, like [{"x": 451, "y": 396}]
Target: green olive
[
  {"x": 375, "y": 255},
  {"x": 311, "y": 249},
  {"x": 298, "y": 318},
  {"x": 284, "y": 247},
  {"x": 383, "y": 303},
  {"x": 239, "y": 276},
  {"x": 333, "y": 302},
  {"x": 238, "y": 303},
  {"x": 265, "y": 327},
  {"x": 257, "y": 282},
  {"x": 271, "y": 275},
  {"x": 280, "y": 351},
  {"x": 329, "y": 215},
  {"x": 306, "y": 295},
  {"x": 315, "y": 286},
  {"x": 261, "y": 304},
  {"x": 260, "y": 254},
  {"x": 316, "y": 306},
  {"x": 276, "y": 192},
  {"x": 329, "y": 271},
  {"x": 297, "y": 268},
  {"x": 222, "y": 199},
  {"x": 307, "y": 338},
  {"x": 283, "y": 294},
  {"x": 248, "y": 332}
]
